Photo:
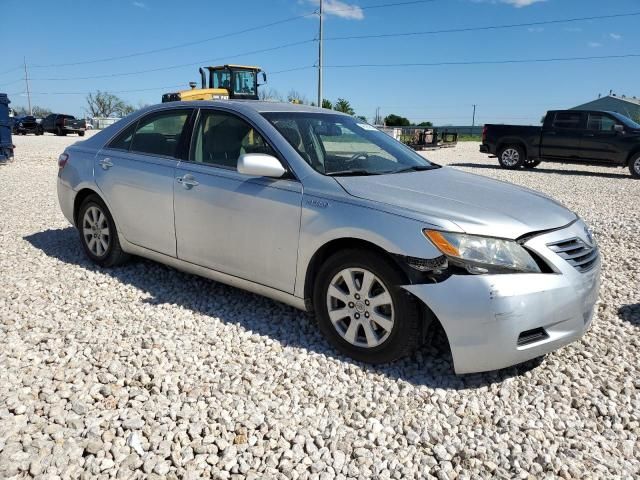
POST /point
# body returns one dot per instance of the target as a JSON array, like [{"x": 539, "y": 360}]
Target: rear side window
[
  {"x": 123, "y": 140},
  {"x": 601, "y": 122},
  {"x": 159, "y": 133},
  {"x": 567, "y": 120}
]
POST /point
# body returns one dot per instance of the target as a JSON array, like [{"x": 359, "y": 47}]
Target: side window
[
  {"x": 601, "y": 122},
  {"x": 160, "y": 133},
  {"x": 567, "y": 120},
  {"x": 123, "y": 140},
  {"x": 220, "y": 138}
]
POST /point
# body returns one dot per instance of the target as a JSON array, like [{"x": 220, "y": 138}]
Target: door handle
[
  {"x": 187, "y": 181},
  {"x": 106, "y": 163}
]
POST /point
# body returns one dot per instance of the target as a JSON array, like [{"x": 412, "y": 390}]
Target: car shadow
[
  {"x": 630, "y": 313},
  {"x": 431, "y": 365},
  {"x": 583, "y": 173}
]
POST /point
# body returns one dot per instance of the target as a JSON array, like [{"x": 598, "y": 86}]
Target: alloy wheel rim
[
  {"x": 95, "y": 231},
  {"x": 510, "y": 157},
  {"x": 636, "y": 165},
  {"x": 360, "y": 307}
]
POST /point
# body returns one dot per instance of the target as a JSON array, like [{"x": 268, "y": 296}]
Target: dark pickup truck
[
  {"x": 568, "y": 136},
  {"x": 62, "y": 124},
  {"x": 26, "y": 124}
]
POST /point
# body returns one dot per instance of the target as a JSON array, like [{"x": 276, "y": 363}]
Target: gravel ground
[{"x": 145, "y": 372}]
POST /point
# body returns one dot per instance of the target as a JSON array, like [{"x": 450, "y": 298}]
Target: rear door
[
  {"x": 562, "y": 139},
  {"x": 601, "y": 142},
  {"x": 136, "y": 176}
]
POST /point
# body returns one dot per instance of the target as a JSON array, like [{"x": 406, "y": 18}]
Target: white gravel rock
[{"x": 145, "y": 372}]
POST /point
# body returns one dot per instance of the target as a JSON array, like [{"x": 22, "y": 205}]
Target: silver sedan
[{"x": 325, "y": 213}]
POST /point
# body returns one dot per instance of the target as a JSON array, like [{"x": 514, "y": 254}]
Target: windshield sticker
[{"x": 366, "y": 126}]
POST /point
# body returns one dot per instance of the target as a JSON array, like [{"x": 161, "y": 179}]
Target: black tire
[
  {"x": 531, "y": 163},
  {"x": 60, "y": 132},
  {"x": 634, "y": 166},
  {"x": 405, "y": 334},
  {"x": 511, "y": 157},
  {"x": 81, "y": 133},
  {"x": 113, "y": 254}
]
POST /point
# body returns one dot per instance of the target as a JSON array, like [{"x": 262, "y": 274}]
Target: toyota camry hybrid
[{"x": 324, "y": 212}]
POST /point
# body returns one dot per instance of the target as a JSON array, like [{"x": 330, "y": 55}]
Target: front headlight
[{"x": 483, "y": 254}]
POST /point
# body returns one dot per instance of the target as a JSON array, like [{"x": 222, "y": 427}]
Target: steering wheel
[{"x": 356, "y": 156}]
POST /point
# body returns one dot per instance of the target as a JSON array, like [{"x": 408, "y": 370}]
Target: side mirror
[
  {"x": 618, "y": 128},
  {"x": 260, "y": 165}
]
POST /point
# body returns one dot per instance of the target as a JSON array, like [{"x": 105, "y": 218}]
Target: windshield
[
  {"x": 626, "y": 120},
  {"x": 341, "y": 145}
]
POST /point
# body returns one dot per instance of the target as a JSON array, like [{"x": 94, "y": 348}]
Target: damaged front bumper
[{"x": 495, "y": 321}]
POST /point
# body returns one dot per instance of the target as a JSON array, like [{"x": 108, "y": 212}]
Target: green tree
[
  {"x": 636, "y": 118},
  {"x": 38, "y": 112},
  {"x": 105, "y": 104},
  {"x": 344, "y": 106},
  {"x": 327, "y": 104},
  {"x": 361, "y": 117},
  {"x": 426, "y": 124},
  {"x": 393, "y": 120}
]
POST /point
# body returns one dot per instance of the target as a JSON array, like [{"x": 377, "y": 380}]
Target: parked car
[
  {"x": 324, "y": 212},
  {"x": 27, "y": 124},
  {"x": 570, "y": 136},
  {"x": 61, "y": 124}
]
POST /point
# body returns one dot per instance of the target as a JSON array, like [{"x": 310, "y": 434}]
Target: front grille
[{"x": 577, "y": 253}]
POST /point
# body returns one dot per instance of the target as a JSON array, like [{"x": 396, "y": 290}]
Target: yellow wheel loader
[{"x": 223, "y": 82}]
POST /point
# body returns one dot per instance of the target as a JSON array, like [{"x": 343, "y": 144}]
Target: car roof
[{"x": 251, "y": 105}]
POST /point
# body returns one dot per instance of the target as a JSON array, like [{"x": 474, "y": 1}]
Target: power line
[
  {"x": 486, "y": 62},
  {"x": 174, "y": 47},
  {"x": 114, "y": 91},
  {"x": 222, "y": 36},
  {"x": 14, "y": 81},
  {"x": 488, "y": 27},
  {"x": 11, "y": 70},
  {"x": 173, "y": 67}
]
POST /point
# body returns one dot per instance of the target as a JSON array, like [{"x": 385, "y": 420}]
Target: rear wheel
[
  {"x": 362, "y": 310},
  {"x": 634, "y": 166},
  {"x": 98, "y": 233},
  {"x": 81, "y": 133},
  {"x": 511, "y": 157}
]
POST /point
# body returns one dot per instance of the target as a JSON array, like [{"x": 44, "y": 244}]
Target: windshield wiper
[
  {"x": 352, "y": 173},
  {"x": 415, "y": 168}
]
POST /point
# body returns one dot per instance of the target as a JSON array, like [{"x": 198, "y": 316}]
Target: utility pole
[
  {"x": 26, "y": 79},
  {"x": 320, "y": 59},
  {"x": 473, "y": 122}
]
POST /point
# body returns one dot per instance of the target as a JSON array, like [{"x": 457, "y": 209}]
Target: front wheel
[
  {"x": 634, "y": 166},
  {"x": 98, "y": 233},
  {"x": 362, "y": 310},
  {"x": 511, "y": 157},
  {"x": 81, "y": 133}
]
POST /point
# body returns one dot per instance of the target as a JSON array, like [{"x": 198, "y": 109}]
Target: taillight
[
  {"x": 62, "y": 160},
  {"x": 484, "y": 133}
]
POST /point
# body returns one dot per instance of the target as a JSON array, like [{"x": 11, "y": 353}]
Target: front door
[
  {"x": 135, "y": 174},
  {"x": 601, "y": 141},
  {"x": 564, "y": 139},
  {"x": 244, "y": 226}
]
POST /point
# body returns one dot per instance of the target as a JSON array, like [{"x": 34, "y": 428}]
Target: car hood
[{"x": 477, "y": 204}]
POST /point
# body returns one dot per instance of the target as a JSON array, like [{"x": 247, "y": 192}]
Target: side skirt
[{"x": 194, "y": 269}]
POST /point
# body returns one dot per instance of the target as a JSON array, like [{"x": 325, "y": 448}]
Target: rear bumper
[
  {"x": 485, "y": 148},
  {"x": 66, "y": 198},
  {"x": 485, "y": 315}
]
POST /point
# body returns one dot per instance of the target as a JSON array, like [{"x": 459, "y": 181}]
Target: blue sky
[{"x": 68, "y": 31}]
